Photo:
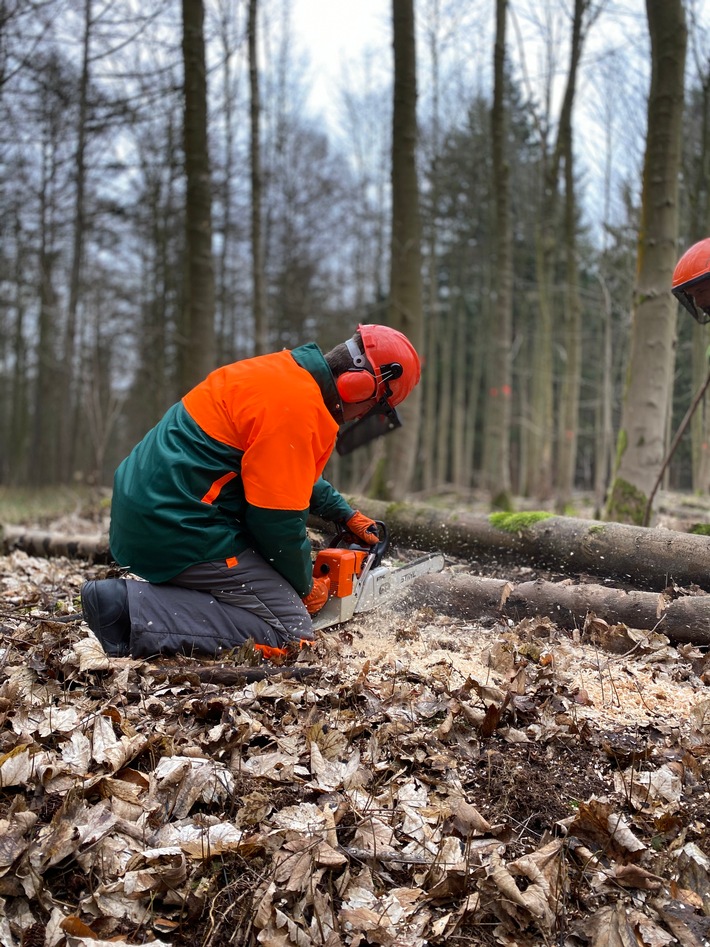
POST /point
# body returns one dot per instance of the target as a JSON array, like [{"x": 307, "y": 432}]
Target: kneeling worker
[{"x": 211, "y": 506}]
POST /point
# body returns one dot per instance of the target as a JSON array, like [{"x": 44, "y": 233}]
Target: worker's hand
[
  {"x": 363, "y": 527},
  {"x": 318, "y": 596}
]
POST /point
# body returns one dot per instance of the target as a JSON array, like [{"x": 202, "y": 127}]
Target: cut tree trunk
[
  {"x": 648, "y": 558},
  {"x": 685, "y": 619},
  {"x": 37, "y": 542}
]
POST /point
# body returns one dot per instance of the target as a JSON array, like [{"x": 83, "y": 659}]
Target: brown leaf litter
[{"x": 434, "y": 782}]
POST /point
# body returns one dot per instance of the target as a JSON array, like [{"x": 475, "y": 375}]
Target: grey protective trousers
[{"x": 216, "y": 606}]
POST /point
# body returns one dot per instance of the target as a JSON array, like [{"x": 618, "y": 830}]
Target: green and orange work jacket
[{"x": 236, "y": 464}]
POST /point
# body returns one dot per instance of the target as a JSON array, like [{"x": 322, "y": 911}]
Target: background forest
[{"x": 93, "y": 230}]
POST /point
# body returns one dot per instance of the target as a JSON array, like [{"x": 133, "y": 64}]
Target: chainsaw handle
[
  {"x": 383, "y": 543},
  {"x": 344, "y": 539}
]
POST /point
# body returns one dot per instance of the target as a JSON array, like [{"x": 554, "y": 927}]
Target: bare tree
[
  {"x": 541, "y": 441},
  {"x": 496, "y": 462},
  {"x": 261, "y": 333},
  {"x": 568, "y": 417},
  {"x": 197, "y": 340},
  {"x": 644, "y": 421},
  {"x": 405, "y": 304},
  {"x": 67, "y": 364}
]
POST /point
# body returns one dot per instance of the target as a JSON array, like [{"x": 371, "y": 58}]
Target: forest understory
[{"x": 413, "y": 779}]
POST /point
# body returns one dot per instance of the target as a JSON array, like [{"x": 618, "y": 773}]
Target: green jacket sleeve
[
  {"x": 280, "y": 537},
  {"x": 327, "y": 503}
]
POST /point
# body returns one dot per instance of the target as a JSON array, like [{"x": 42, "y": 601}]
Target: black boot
[{"x": 105, "y": 606}]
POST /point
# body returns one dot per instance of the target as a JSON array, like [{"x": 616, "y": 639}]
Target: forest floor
[{"x": 423, "y": 781}]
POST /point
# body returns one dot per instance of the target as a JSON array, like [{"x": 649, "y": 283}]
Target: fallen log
[
  {"x": 649, "y": 558},
  {"x": 45, "y": 544},
  {"x": 684, "y": 619}
]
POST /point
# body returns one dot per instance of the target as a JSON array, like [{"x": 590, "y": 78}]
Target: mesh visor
[
  {"x": 378, "y": 421},
  {"x": 700, "y": 313}
]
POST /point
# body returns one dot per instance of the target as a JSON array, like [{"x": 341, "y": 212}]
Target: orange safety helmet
[
  {"x": 388, "y": 369},
  {"x": 393, "y": 359},
  {"x": 691, "y": 272}
]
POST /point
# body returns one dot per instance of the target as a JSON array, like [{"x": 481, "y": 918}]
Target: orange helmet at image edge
[
  {"x": 386, "y": 346},
  {"x": 692, "y": 271},
  {"x": 694, "y": 263}
]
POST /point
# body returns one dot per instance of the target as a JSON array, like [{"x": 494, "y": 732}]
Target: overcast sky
[{"x": 335, "y": 34}]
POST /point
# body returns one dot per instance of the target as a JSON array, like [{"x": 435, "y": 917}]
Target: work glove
[
  {"x": 318, "y": 596},
  {"x": 363, "y": 527},
  {"x": 278, "y": 654}
]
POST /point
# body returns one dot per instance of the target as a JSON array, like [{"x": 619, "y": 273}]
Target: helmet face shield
[
  {"x": 684, "y": 296},
  {"x": 379, "y": 420}
]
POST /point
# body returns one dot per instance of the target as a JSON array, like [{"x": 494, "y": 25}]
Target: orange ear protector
[
  {"x": 360, "y": 384},
  {"x": 355, "y": 387}
]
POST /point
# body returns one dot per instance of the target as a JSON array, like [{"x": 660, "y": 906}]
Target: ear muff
[{"x": 355, "y": 387}]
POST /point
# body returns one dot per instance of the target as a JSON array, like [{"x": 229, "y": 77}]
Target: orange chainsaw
[{"x": 359, "y": 582}]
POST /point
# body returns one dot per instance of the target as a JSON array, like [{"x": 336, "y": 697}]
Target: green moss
[
  {"x": 394, "y": 508},
  {"x": 516, "y": 522},
  {"x": 626, "y": 504},
  {"x": 596, "y": 529},
  {"x": 701, "y": 529}
]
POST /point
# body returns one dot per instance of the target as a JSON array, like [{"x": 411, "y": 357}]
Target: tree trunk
[
  {"x": 568, "y": 418},
  {"x": 261, "y": 335},
  {"x": 541, "y": 473},
  {"x": 646, "y": 558},
  {"x": 430, "y": 381},
  {"x": 67, "y": 388},
  {"x": 700, "y": 221},
  {"x": 540, "y": 439},
  {"x": 43, "y": 462},
  {"x": 699, "y": 421},
  {"x": 604, "y": 431},
  {"x": 642, "y": 438},
  {"x": 496, "y": 448},
  {"x": 36, "y": 542},
  {"x": 685, "y": 619},
  {"x": 197, "y": 343},
  {"x": 473, "y": 370},
  {"x": 405, "y": 303},
  {"x": 462, "y": 416},
  {"x": 15, "y": 461},
  {"x": 227, "y": 319},
  {"x": 444, "y": 408}
]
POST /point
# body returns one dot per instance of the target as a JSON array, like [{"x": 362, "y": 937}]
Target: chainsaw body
[{"x": 359, "y": 582}]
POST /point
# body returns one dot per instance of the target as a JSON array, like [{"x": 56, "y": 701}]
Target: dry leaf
[
  {"x": 467, "y": 820},
  {"x": 609, "y": 927},
  {"x": 75, "y": 927},
  {"x": 598, "y": 822}
]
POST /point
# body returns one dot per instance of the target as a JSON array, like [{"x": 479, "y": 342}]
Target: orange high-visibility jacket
[{"x": 236, "y": 464}]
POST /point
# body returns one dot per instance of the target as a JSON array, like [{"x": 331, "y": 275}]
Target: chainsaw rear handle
[{"x": 344, "y": 539}]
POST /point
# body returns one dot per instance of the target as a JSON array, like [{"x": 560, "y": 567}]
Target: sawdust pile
[
  {"x": 638, "y": 687},
  {"x": 423, "y": 781}
]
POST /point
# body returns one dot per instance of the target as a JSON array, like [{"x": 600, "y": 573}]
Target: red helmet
[
  {"x": 692, "y": 273},
  {"x": 394, "y": 361}
]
